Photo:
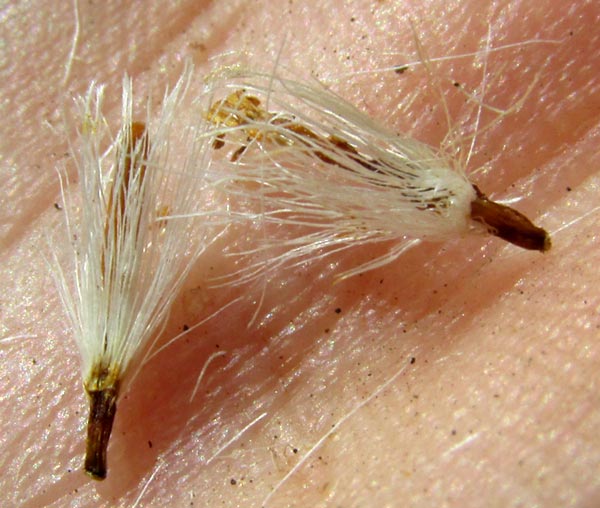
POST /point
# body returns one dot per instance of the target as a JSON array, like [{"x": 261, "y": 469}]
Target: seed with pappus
[
  {"x": 128, "y": 260},
  {"x": 316, "y": 161}
]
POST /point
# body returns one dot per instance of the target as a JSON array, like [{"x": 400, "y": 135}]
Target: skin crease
[{"x": 500, "y": 406}]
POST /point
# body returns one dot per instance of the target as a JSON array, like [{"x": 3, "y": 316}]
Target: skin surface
[{"x": 500, "y": 405}]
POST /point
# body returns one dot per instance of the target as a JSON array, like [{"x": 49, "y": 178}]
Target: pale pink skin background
[{"x": 501, "y": 406}]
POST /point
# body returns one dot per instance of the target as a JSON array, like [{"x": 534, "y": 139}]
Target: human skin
[{"x": 500, "y": 406}]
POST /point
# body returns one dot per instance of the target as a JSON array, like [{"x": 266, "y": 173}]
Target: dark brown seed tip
[
  {"x": 103, "y": 405},
  {"x": 506, "y": 223}
]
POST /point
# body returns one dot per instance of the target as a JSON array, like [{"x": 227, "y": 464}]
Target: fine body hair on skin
[{"x": 500, "y": 402}]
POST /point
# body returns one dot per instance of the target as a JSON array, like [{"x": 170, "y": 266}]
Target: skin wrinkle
[{"x": 499, "y": 408}]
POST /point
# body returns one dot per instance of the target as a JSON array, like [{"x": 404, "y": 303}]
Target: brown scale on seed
[
  {"x": 239, "y": 108},
  {"x": 116, "y": 211}
]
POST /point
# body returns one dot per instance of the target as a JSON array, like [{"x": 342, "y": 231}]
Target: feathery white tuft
[
  {"x": 317, "y": 162},
  {"x": 128, "y": 261}
]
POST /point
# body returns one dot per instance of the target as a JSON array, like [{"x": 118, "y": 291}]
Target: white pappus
[
  {"x": 317, "y": 162},
  {"x": 128, "y": 262}
]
